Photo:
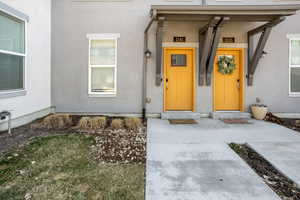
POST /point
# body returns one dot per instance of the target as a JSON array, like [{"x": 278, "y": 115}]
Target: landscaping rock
[
  {"x": 121, "y": 146},
  {"x": 28, "y": 196}
]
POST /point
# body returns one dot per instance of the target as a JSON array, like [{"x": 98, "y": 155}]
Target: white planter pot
[{"x": 259, "y": 112}]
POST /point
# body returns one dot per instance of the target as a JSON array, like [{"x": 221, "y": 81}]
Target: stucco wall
[
  {"x": 38, "y": 59},
  {"x": 72, "y": 21}
]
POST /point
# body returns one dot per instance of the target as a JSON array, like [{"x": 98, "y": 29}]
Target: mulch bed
[
  {"x": 284, "y": 187},
  {"x": 289, "y": 123}
]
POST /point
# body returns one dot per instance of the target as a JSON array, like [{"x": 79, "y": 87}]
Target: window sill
[
  {"x": 102, "y": 95},
  {"x": 294, "y": 95},
  {"x": 11, "y": 94}
]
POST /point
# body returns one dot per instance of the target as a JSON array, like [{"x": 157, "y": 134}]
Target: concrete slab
[
  {"x": 190, "y": 162},
  {"x": 285, "y": 156},
  {"x": 209, "y": 131},
  {"x": 201, "y": 171}
]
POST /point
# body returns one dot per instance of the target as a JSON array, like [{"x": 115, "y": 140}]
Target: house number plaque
[
  {"x": 179, "y": 39},
  {"x": 228, "y": 40}
]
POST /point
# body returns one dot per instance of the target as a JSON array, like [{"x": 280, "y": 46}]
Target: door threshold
[{"x": 180, "y": 115}]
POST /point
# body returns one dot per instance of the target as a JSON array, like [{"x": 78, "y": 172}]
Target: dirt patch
[
  {"x": 284, "y": 187},
  {"x": 21, "y": 135},
  {"x": 287, "y": 122}
]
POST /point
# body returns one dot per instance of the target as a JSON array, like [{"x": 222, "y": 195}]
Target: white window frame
[
  {"x": 21, "y": 91},
  {"x": 104, "y": 36},
  {"x": 292, "y": 37}
]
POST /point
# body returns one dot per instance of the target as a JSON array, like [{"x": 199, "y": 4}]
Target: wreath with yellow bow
[{"x": 226, "y": 64}]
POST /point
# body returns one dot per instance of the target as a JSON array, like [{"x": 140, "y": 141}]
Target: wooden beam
[
  {"x": 253, "y": 60},
  {"x": 214, "y": 47},
  {"x": 258, "y": 54},
  {"x": 205, "y": 41},
  {"x": 203, "y": 54},
  {"x": 159, "y": 38},
  {"x": 261, "y": 28}
]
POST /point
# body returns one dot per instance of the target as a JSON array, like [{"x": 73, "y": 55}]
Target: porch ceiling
[{"x": 235, "y": 12}]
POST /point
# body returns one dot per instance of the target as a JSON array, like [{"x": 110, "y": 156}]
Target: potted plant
[{"x": 259, "y": 111}]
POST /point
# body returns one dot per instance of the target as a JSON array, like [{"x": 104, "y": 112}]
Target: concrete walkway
[{"x": 194, "y": 162}]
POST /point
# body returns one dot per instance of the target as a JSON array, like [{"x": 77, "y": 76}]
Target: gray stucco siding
[
  {"x": 71, "y": 23},
  {"x": 70, "y": 57}
]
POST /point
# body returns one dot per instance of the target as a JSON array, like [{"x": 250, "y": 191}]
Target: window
[
  {"x": 103, "y": 64},
  {"x": 178, "y": 60},
  {"x": 12, "y": 53},
  {"x": 294, "y": 66}
]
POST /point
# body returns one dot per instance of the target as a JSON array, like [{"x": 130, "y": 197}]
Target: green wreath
[{"x": 226, "y": 64}]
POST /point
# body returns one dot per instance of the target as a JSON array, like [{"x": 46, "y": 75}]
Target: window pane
[
  {"x": 11, "y": 72},
  {"x": 178, "y": 60},
  {"x": 295, "y": 79},
  {"x": 295, "y": 52},
  {"x": 12, "y": 34},
  {"x": 103, "y": 79},
  {"x": 103, "y": 52}
]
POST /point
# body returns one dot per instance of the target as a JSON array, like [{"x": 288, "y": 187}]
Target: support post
[
  {"x": 214, "y": 47},
  {"x": 258, "y": 54},
  {"x": 253, "y": 60},
  {"x": 159, "y": 38},
  {"x": 205, "y": 41}
]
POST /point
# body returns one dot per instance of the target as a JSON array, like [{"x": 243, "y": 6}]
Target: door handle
[
  {"x": 238, "y": 83},
  {"x": 167, "y": 80}
]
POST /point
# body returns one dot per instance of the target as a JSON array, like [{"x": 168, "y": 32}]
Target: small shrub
[
  {"x": 97, "y": 122},
  {"x": 57, "y": 121},
  {"x": 84, "y": 123},
  {"x": 117, "y": 124},
  {"x": 133, "y": 123},
  {"x": 88, "y": 123}
]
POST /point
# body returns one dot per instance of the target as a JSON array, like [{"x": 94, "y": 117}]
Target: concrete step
[
  {"x": 180, "y": 115},
  {"x": 230, "y": 115}
]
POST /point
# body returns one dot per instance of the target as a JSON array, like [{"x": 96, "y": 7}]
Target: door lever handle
[
  {"x": 238, "y": 84},
  {"x": 167, "y": 80}
]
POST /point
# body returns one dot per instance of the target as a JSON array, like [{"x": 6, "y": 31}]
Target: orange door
[
  {"x": 179, "y": 79},
  {"x": 228, "y": 87}
]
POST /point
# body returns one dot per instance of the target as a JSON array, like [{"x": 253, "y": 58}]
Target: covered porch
[{"x": 212, "y": 20}]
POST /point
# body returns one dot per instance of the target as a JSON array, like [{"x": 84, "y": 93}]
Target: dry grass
[
  {"x": 98, "y": 123},
  {"x": 57, "y": 121},
  {"x": 91, "y": 123},
  {"x": 83, "y": 123},
  {"x": 133, "y": 123},
  {"x": 117, "y": 124},
  {"x": 63, "y": 168}
]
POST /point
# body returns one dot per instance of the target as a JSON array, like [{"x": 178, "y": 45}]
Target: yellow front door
[
  {"x": 179, "y": 79},
  {"x": 228, "y": 87}
]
